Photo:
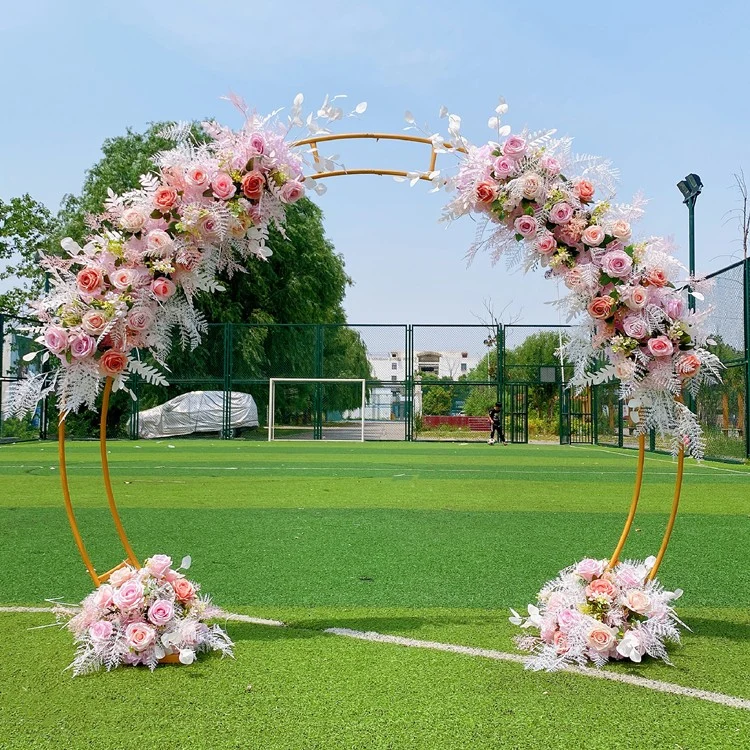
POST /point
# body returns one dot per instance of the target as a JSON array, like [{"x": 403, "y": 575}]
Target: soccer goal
[{"x": 317, "y": 409}]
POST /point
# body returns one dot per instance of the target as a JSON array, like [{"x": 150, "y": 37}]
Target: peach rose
[
  {"x": 560, "y": 640},
  {"x": 625, "y": 369},
  {"x": 688, "y": 365},
  {"x": 660, "y": 346},
  {"x": 637, "y": 601},
  {"x": 486, "y": 192},
  {"x": 584, "y": 190},
  {"x": 657, "y": 277},
  {"x": 601, "y": 587},
  {"x": 89, "y": 280},
  {"x": 252, "y": 184},
  {"x": 532, "y": 186},
  {"x": 120, "y": 576},
  {"x": 197, "y": 177},
  {"x": 139, "y": 636},
  {"x": 601, "y": 638},
  {"x": 158, "y": 242},
  {"x": 620, "y": 230},
  {"x": 122, "y": 278},
  {"x": 132, "y": 220},
  {"x": 601, "y": 307},
  {"x": 163, "y": 288},
  {"x": 113, "y": 363},
  {"x": 593, "y": 235},
  {"x": 183, "y": 589},
  {"x": 635, "y": 298},
  {"x": 164, "y": 198}
]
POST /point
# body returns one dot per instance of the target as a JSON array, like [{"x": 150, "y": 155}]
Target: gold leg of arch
[
  {"x": 672, "y": 515},
  {"x": 108, "y": 482},
  {"x": 633, "y": 503},
  {"x": 131, "y": 558}
]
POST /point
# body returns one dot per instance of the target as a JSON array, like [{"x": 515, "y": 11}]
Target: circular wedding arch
[{"x": 321, "y": 173}]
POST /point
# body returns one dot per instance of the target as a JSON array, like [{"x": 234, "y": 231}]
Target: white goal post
[{"x": 353, "y": 430}]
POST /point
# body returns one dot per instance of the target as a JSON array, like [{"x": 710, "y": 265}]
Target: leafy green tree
[{"x": 436, "y": 400}]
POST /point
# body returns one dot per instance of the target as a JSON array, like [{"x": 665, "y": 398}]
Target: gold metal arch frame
[{"x": 313, "y": 142}]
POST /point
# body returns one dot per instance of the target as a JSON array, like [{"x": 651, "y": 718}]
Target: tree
[
  {"x": 436, "y": 400},
  {"x": 26, "y": 228}
]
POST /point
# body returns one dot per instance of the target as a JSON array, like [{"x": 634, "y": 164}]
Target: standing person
[{"x": 496, "y": 424}]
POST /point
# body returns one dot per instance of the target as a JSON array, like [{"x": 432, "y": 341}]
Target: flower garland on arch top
[{"x": 639, "y": 324}]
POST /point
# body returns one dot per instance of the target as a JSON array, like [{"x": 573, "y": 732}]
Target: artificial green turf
[{"x": 429, "y": 541}]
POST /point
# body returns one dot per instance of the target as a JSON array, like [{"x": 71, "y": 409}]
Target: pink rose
[
  {"x": 635, "y": 297},
  {"x": 112, "y": 363},
  {"x": 158, "y": 242},
  {"x": 94, "y": 322},
  {"x": 209, "y": 226},
  {"x": 56, "y": 339},
  {"x": 139, "y": 636},
  {"x": 547, "y": 630},
  {"x": 674, "y": 307},
  {"x": 532, "y": 186},
  {"x": 628, "y": 576},
  {"x": 546, "y": 244},
  {"x": 183, "y": 589},
  {"x": 514, "y": 147},
  {"x": 82, "y": 345},
  {"x": 589, "y": 568},
  {"x": 601, "y": 638},
  {"x": 163, "y": 288},
  {"x": 223, "y": 186},
  {"x": 615, "y": 263},
  {"x": 568, "y": 234},
  {"x": 593, "y": 235},
  {"x": 197, "y": 177},
  {"x": 101, "y": 631},
  {"x": 132, "y": 220},
  {"x": 89, "y": 280},
  {"x": 657, "y": 277},
  {"x": 620, "y": 230},
  {"x": 526, "y": 226},
  {"x": 103, "y": 596},
  {"x": 486, "y": 192},
  {"x": 635, "y": 327},
  {"x": 164, "y": 198},
  {"x": 567, "y": 618},
  {"x": 550, "y": 164},
  {"x": 561, "y": 213},
  {"x": 161, "y": 612},
  {"x": 172, "y": 576},
  {"x": 292, "y": 191},
  {"x": 504, "y": 167},
  {"x": 257, "y": 143},
  {"x": 601, "y": 307},
  {"x": 129, "y": 595},
  {"x": 252, "y": 184},
  {"x": 584, "y": 190},
  {"x": 660, "y": 346},
  {"x": 637, "y": 601},
  {"x": 122, "y": 278},
  {"x": 688, "y": 365},
  {"x": 601, "y": 587},
  {"x": 158, "y": 565},
  {"x": 140, "y": 318},
  {"x": 120, "y": 576},
  {"x": 560, "y": 641},
  {"x": 625, "y": 369}
]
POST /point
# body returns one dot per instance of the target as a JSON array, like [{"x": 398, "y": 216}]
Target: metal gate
[
  {"x": 577, "y": 425},
  {"x": 516, "y": 411}
]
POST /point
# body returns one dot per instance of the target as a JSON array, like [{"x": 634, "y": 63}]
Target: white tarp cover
[{"x": 197, "y": 411}]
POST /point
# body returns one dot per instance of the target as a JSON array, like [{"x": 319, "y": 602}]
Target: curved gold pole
[
  {"x": 107, "y": 481},
  {"x": 672, "y": 515},
  {"x": 633, "y": 503},
  {"x": 69, "y": 505}
]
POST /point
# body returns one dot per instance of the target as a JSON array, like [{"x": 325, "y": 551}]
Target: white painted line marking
[
  {"x": 485, "y": 653},
  {"x": 701, "y": 465}
]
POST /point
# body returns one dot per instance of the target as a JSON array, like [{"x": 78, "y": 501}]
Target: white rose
[
  {"x": 532, "y": 186},
  {"x": 132, "y": 220}
]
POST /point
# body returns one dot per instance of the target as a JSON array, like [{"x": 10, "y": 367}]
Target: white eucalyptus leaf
[
  {"x": 29, "y": 357},
  {"x": 361, "y": 108},
  {"x": 409, "y": 117},
  {"x": 187, "y": 561},
  {"x": 443, "y": 112}
]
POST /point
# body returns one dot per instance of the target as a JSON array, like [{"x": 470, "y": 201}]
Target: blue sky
[{"x": 656, "y": 87}]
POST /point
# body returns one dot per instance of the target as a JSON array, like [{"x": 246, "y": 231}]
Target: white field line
[
  {"x": 485, "y": 653},
  {"x": 410, "y": 470}
]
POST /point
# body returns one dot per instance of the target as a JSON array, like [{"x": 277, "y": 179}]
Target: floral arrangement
[
  {"x": 593, "y": 613},
  {"x": 141, "y": 617},
  {"x": 541, "y": 202},
  {"x": 206, "y": 209}
]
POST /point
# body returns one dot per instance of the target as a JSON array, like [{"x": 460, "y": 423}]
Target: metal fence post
[
  {"x": 135, "y": 407},
  {"x": 620, "y": 426},
  {"x": 409, "y": 383},
  {"x": 226, "y": 427},
  {"x": 2, "y": 350},
  {"x": 746, "y": 310}
]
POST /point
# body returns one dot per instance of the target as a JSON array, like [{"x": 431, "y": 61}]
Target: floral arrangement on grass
[
  {"x": 142, "y": 616},
  {"x": 540, "y": 201},
  {"x": 591, "y": 613},
  {"x": 206, "y": 209}
]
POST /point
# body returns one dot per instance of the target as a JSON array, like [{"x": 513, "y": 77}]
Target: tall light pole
[{"x": 691, "y": 188}]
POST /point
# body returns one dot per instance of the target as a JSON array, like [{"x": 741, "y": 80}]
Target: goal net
[{"x": 317, "y": 409}]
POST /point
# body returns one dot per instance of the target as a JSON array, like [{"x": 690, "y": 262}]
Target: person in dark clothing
[{"x": 496, "y": 424}]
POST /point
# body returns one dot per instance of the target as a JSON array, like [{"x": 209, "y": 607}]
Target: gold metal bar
[
  {"x": 107, "y": 481},
  {"x": 344, "y": 172},
  {"x": 433, "y": 160},
  {"x": 672, "y": 515},
  {"x": 315, "y": 152},
  {"x": 69, "y": 505},
  {"x": 633, "y": 503},
  {"x": 372, "y": 136}
]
